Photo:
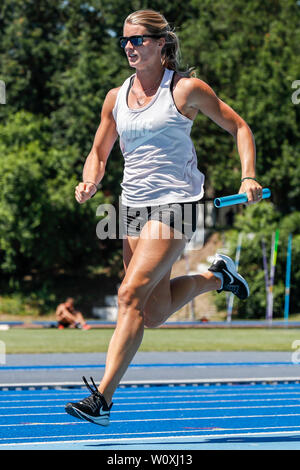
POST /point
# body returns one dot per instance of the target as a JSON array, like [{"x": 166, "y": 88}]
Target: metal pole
[
  {"x": 272, "y": 275},
  {"x": 237, "y": 260},
  {"x": 191, "y": 304},
  {"x": 265, "y": 263},
  {"x": 288, "y": 278}
]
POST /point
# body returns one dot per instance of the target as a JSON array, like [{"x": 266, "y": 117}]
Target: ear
[{"x": 161, "y": 42}]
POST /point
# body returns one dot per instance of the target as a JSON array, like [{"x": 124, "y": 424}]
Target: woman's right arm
[{"x": 106, "y": 135}]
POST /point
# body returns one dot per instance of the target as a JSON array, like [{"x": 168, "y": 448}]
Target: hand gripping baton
[{"x": 238, "y": 198}]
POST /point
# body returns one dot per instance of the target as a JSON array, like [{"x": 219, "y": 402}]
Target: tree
[
  {"x": 42, "y": 228},
  {"x": 246, "y": 52}
]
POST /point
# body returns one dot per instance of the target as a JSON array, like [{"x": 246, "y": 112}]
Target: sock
[{"x": 220, "y": 276}]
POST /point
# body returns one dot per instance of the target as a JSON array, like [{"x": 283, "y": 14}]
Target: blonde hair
[{"x": 156, "y": 24}]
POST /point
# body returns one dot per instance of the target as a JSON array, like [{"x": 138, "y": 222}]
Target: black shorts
[{"x": 181, "y": 217}]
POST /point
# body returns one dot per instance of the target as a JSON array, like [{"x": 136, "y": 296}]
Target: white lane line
[
  {"x": 145, "y": 393},
  {"x": 159, "y": 403},
  {"x": 170, "y": 382},
  {"x": 186, "y": 431},
  {"x": 160, "y": 438},
  {"x": 30, "y": 414},
  {"x": 153, "y": 396},
  {"x": 156, "y": 419},
  {"x": 168, "y": 386},
  {"x": 165, "y": 410}
]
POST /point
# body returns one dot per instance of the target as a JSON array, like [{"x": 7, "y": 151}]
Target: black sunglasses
[{"x": 135, "y": 40}]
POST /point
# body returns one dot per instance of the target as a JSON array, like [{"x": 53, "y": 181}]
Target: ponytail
[{"x": 170, "y": 52}]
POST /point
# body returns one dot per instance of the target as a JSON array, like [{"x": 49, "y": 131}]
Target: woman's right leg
[{"x": 151, "y": 260}]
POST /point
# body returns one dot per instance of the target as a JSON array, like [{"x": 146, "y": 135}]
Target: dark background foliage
[{"x": 58, "y": 60}]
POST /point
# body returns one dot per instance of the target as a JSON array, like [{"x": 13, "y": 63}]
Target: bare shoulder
[
  {"x": 195, "y": 93},
  {"x": 189, "y": 94},
  {"x": 190, "y": 85},
  {"x": 110, "y": 100},
  {"x": 112, "y": 93}
]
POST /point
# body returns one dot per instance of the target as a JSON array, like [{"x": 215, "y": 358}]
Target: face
[{"x": 146, "y": 56}]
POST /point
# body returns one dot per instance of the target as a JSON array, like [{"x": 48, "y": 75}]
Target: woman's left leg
[
  {"x": 169, "y": 295},
  {"x": 172, "y": 294}
]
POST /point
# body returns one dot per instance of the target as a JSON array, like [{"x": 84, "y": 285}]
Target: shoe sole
[
  {"x": 101, "y": 421},
  {"x": 232, "y": 269}
]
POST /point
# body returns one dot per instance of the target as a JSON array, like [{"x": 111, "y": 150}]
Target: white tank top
[{"x": 160, "y": 162}]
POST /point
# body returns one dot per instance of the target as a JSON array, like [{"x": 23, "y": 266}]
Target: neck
[{"x": 145, "y": 79}]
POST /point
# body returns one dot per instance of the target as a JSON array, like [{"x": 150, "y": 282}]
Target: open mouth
[{"x": 132, "y": 56}]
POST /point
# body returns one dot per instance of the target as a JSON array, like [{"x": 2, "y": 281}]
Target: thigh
[
  {"x": 161, "y": 292},
  {"x": 149, "y": 260},
  {"x": 129, "y": 246},
  {"x": 158, "y": 304}
]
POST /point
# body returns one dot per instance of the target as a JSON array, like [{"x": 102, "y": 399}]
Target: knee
[{"x": 130, "y": 295}]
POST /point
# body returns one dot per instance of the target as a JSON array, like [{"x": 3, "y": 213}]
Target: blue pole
[{"x": 288, "y": 278}]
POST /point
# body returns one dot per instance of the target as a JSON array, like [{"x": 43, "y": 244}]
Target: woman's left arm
[{"x": 200, "y": 96}]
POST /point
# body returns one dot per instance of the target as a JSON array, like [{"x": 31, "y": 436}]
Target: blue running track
[{"x": 193, "y": 416}]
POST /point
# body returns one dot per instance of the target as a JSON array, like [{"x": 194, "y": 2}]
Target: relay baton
[{"x": 238, "y": 198}]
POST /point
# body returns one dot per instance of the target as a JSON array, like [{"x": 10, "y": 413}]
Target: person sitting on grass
[{"x": 67, "y": 316}]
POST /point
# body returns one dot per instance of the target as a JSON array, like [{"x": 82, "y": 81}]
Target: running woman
[{"x": 153, "y": 113}]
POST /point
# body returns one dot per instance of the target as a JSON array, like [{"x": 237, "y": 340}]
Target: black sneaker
[
  {"x": 93, "y": 408},
  {"x": 232, "y": 281}
]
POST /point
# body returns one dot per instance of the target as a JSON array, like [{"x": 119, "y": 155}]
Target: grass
[{"x": 60, "y": 341}]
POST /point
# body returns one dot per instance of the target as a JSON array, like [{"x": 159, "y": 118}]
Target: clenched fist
[
  {"x": 253, "y": 190},
  {"x": 85, "y": 191}
]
